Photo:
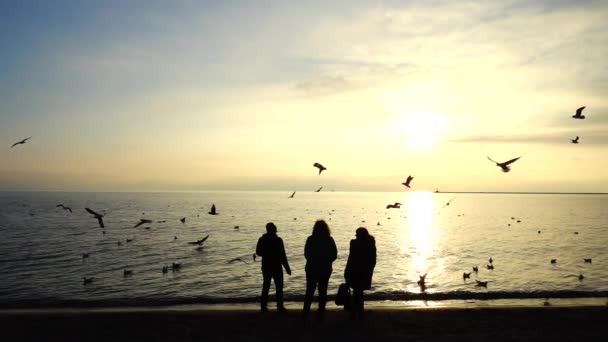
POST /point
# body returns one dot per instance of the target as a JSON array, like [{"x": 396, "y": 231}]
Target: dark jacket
[
  {"x": 270, "y": 247},
  {"x": 361, "y": 263},
  {"x": 320, "y": 252}
]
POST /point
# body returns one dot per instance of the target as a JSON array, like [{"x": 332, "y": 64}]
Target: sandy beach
[{"x": 380, "y": 324}]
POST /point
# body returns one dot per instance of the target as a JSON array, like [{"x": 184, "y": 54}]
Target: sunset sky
[{"x": 240, "y": 95}]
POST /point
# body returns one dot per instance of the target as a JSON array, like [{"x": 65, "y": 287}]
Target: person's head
[
  {"x": 271, "y": 228},
  {"x": 321, "y": 229},
  {"x": 363, "y": 234}
]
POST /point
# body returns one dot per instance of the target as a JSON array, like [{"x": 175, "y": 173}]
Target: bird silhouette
[
  {"x": 213, "y": 211},
  {"x": 482, "y": 283},
  {"x": 466, "y": 276},
  {"x": 588, "y": 261},
  {"x": 581, "y": 277},
  {"x": 165, "y": 269},
  {"x": 238, "y": 259},
  {"x": 85, "y": 255},
  {"x": 504, "y": 166},
  {"x": 579, "y": 113},
  {"x": 320, "y": 167},
  {"x": 292, "y": 194},
  {"x": 554, "y": 261},
  {"x": 450, "y": 201},
  {"x": 86, "y": 280},
  {"x": 176, "y": 266},
  {"x": 422, "y": 282},
  {"x": 319, "y": 189},
  {"x": 575, "y": 140},
  {"x": 408, "y": 181},
  {"x": 199, "y": 242},
  {"x": 183, "y": 220},
  {"x": 21, "y": 142},
  {"x": 490, "y": 266},
  {"x": 64, "y": 207},
  {"x": 126, "y": 273},
  {"x": 142, "y": 221},
  {"x": 396, "y": 205},
  {"x": 490, "y": 260},
  {"x": 475, "y": 269},
  {"x": 96, "y": 215}
]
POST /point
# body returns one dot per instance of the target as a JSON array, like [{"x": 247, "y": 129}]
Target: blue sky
[{"x": 192, "y": 95}]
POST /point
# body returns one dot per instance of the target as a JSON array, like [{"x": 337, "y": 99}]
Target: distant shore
[{"x": 380, "y": 324}]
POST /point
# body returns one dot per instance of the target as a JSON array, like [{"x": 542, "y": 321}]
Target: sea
[{"x": 42, "y": 246}]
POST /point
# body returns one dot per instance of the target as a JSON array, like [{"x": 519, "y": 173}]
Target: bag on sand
[{"x": 343, "y": 296}]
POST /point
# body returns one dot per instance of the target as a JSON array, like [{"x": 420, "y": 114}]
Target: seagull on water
[
  {"x": 466, "y": 276},
  {"x": 96, "y": 215},
  {"x": 397, "y": 205},
  {"x": 575, "y": 140},
  {"x": 213, "y": 211},
  {"x": 21, "y": 142},
  {"x": 320, "y": 167},
  {"x": 482, "y": 283},
  {"x": 183, "y": 220},
  {"x": 579, "y": 113},
  {"x": 86, "y": 280},
  {"x": 319, "y": 189},
  {"x": 475, "y": 269},
  {"x": 588, "y": 261},
  {"x": 504, "y": 166},
  {"x": 554, "y": 261},
  {"x": 238, "y": 259},
  {"x": 64, "y": 207},
  {"x": 490, "y": 266},
  {"x": 199, "y": 242},
  {"x": 142, "y": 221},
  {"x": 408, "y": 181},
  {"x": 126, "y": 272}
]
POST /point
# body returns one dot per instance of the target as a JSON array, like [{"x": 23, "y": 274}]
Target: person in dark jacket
[
  {"x": 270, "y": 247},
  {"x": 320, "y": 252},
  {"x": 360, "y": 268}
]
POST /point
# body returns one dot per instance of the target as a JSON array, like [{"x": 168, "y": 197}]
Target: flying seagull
[
  {"x": 292, "y": 194},
  {"x": 142, "y": 221},
  {"x": 450, "y": 201},
  {"x": 212, "y": 212},
  {"x": 319, "y": 189},
  {"x": 407, "y": 181},
  {"x": 21, "y": 142},
  {"x": 320, "y": 167},
  {"x": 575, "y": 140},
  {"x": 482, "y": 283},
  {"x": 98, "y": 216},
  {"x": 64, "y": 207},
  {"x": 199, "y": 242},
  {"x": 579, "y": 113},
  {"x": 505, "y": 165},
  {"x": 466, "y": 275},
  {"x": 397, "y": 205},
  {"x": 237, "y": 259}
]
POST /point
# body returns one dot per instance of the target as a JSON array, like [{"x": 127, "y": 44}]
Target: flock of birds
[{"x": 504, "y": 166}]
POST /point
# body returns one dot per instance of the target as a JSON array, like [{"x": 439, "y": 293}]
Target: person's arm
[
  {"x": 259, "y": 249},
  {"x": 284, "y": 258},
  {"x": 373, "y": 257},
  {"x": 307, "y": 249},
  {"x": 349, "y": 264},
  {"x": 333, "y": 251}
]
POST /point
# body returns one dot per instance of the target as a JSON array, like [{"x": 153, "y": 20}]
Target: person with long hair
[
  {"x": 360, "y": 268},
  {"x": 320, "y": 252}
]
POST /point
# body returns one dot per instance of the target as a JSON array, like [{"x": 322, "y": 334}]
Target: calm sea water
[{"x": 41, "y": 251}]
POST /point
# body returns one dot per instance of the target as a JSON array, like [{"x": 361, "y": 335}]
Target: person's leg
[
  {"x": 357, "y": 303},
  {"x": 265, "y": 288},
  {"x": 278, "y": 283},
  {"x": 323, "y": 283},
  {"x": 311, "y": 284}
]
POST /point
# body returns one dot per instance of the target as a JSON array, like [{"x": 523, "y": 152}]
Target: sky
[{"x": 247, "y": 95}]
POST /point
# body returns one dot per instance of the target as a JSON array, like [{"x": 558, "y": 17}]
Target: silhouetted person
[
  {"x": 320, "y": 252},
  {"x": 360, "y": 268},
  {"x": 270, "y": 247}
]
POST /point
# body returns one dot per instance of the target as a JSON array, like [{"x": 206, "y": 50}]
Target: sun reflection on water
[{"x": 420, "y": 230}]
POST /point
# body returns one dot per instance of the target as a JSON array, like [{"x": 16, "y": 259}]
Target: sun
[{"x": 421, "y": 129}]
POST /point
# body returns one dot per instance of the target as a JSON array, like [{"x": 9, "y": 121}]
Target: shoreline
[{"x": 380, "y": 324}]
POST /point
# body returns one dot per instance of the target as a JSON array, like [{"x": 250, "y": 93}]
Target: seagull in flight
[
  {"x": 142, "y": 221},
  {"x": 98, "y": 216},
  {"x": 450, "y": 201},
  {"x": 21, "y": 142},
  {"x": 575, "y": 140},
  {"x": 579, "y": 113},
  {"x": 292, "y": 194},
  {"x": 199, "y": 242},
  {"x": 397, "y": 205},
  {"x": 482, "y": 283},
  {"x": 319, "y": 189},
  {"x": 407, "y": 181},
  {"x": 212, "y": 212},
  {"x": 238, "y": 259},
  {"x": 505, "y": 165},
  {"x": 320, "y": 167},
  {"x": 64, "y": 207}
]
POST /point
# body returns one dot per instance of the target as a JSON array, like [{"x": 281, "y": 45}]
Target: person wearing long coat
[
  {"x": 360, "y": 268},
  {"x": 320, "y": 252}
]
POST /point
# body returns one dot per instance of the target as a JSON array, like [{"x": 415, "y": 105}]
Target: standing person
[
  {"x": 360, "y": 268},
  {"x": 320, "y": 252},
  {"x": 270, "y": 247}
]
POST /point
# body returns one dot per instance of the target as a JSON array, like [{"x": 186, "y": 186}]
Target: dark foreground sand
[{"x": 381, "y": 324}]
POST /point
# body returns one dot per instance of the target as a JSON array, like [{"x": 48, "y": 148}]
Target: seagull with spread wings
[
  {"x": 320, "y": 167},
  {"x": 21, "y": 142},
  {"x": 64, "y": 207},
  {"x": 575, "y": 140},
  {"x": 199, "y": 242},
  {"x": 292, "y": 194},
  {"x": 96, "y": 215},
  {"x": 142, "y": 221},
  {"x": 450, "y": 201},
  {"x": 579, "y": 113},
  {"x": 504, "y": 166},
  {"x": 408, "y": 181}
]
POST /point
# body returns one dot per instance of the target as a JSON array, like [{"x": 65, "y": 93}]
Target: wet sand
[{"x": 380, "y": 324}]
